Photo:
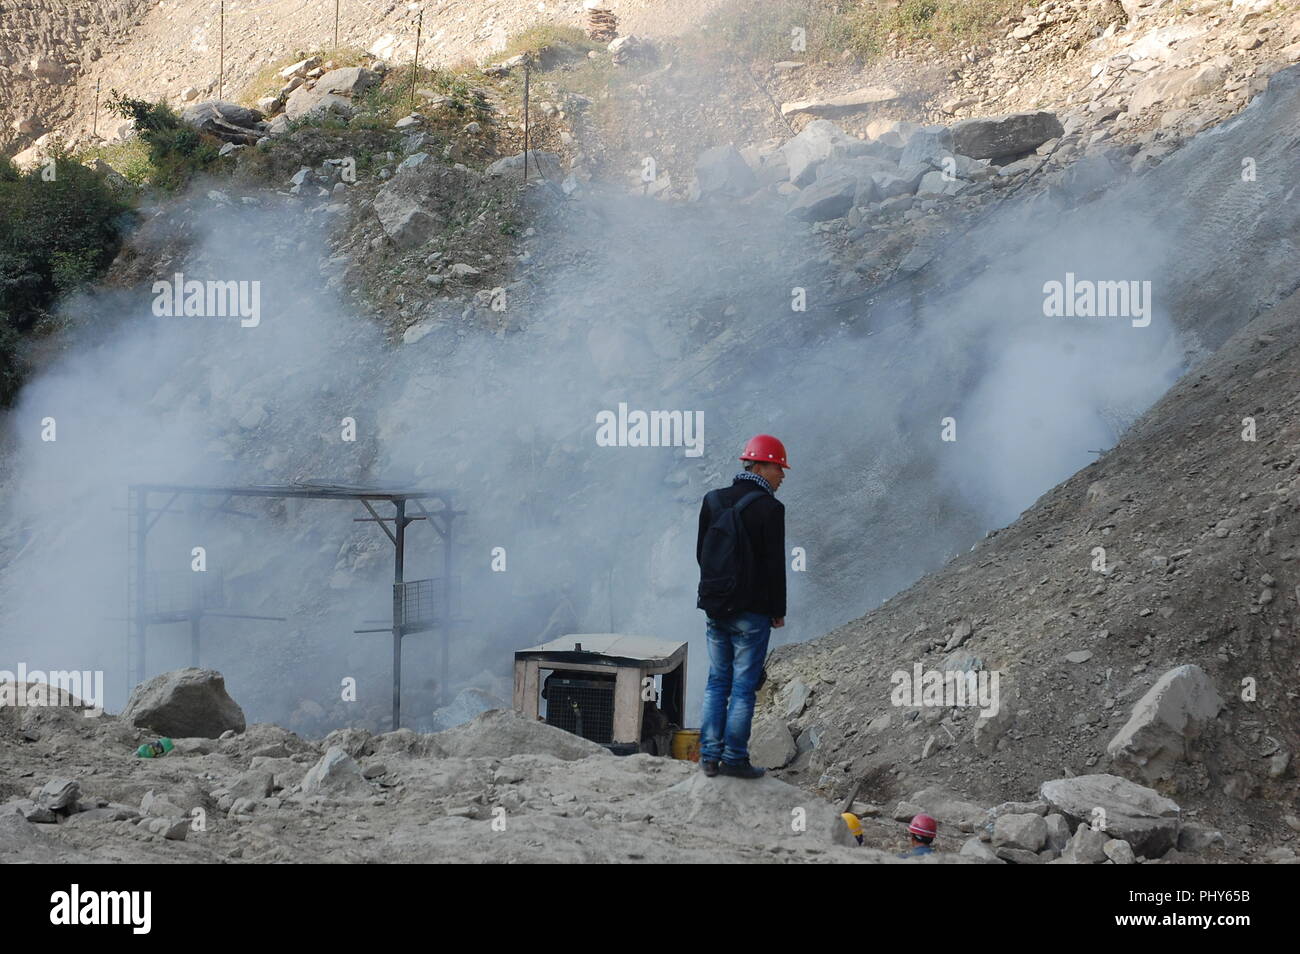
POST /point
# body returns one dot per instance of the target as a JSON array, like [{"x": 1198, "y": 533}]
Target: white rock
[
  {"x": 1027, "y": 832},
  {"x": 1177, "y": 709},
  {"x": 335, "y": 774}
]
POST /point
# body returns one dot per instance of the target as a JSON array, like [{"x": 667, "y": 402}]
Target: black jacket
[{"x": 764, "y": 521}]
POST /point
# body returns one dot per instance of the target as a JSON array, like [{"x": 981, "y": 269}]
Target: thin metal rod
[
  {"x": 278, "y": 619},
  {"x": 446, "y": 512},
  {"x": 141, "y": 621},
  {"x": 166, "y": 508},
  {"x": 398, "y": 567},
  {"x": 221, "y": 54},
  {"x": 445, "y": 688},
  {"x": 766, "y": 92},
  {"x": 196, "y": 588},
  {"x": 336, "y": 26},
  {"x": 527, "y": 61},
  {"x": 415, "y": 66},
  {"x": 94, "y": 118},
  {"x": 400, "y": 504}
]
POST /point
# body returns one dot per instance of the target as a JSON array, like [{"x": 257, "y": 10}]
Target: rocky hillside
[
  {"x": 52, "y": 54},
  {"x": 47, "y": 49},
  {"x": 1176, "y": 548}
]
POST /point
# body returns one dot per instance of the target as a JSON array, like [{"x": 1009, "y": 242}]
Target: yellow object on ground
[{"x": 686, "y": 745}]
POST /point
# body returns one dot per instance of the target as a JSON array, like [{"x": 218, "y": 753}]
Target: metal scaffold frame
[{"x": 412, "y": 600}]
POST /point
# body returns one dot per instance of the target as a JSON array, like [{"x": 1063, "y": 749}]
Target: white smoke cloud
[{"x": 659, "y": 306}]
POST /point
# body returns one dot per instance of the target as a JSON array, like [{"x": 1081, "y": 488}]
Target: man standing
[{"x": 741, "y": 552}]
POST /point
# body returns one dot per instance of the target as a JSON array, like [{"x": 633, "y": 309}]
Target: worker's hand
[{"x": 778, "y": 622}]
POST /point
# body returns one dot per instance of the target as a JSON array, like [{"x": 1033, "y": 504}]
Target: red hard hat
[
  {"x": 923, "y": 826},
  {"x": 765, "y": 447}
]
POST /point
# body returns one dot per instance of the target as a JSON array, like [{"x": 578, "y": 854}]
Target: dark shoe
[
  {"x": 741, "y": 770},
  {"x": 709, "y": 767}
]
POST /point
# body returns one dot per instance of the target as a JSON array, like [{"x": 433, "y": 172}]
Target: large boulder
[
  {"x": 827, "y": 198},
  {"x": 402, "y": 215},
  {"x": 947, "y": 809},
  {"x": 722, "y": 170},
  {"x": 812, "y": 147},
  {"x": 1121, "y": 809},
  {"x": 186, "y": 703},
  {"x": 350, "y": 81},
  {"x": 1173, "y": 712},
  {"x": 316, "y": 103},
  {"x": 861, "y": 168},
  {"x": 927, "y": 146},
  {"x": 227, "y": 121},
  {"x": 1027, "y": 832},
  {"x": 902, "y": 181},
  {"x": 1003, "y": 137},
  {"x": 844, "y": 104}
]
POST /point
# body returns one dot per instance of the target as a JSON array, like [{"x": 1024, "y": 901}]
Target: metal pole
[
  {"x": 526, "y": 75},
  {"x": 94, "y": 119},
  {"x": 399, "y": 527},
  {"x": 336, "y": 26},
  {"x": 196, "y": 588},
  {"x": 415, "y": 67},
  {"x": 447, "y": 611},
  {"x": 141, "y": 623},
  {"x": 221, "y": 52}
]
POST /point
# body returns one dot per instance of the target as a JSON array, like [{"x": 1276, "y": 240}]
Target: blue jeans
[{"x": 737, "y": 649}]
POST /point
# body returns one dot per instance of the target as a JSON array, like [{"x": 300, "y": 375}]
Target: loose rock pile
[
  {"x": 823, "y": 173},
  {"x": 499, "y": 788}
]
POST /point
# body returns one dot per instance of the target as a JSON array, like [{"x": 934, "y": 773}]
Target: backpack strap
[{"x": 739, "y": 506}]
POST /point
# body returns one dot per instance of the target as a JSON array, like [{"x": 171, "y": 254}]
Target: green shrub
[
  {"x": 177, "y": 151},
  {"x": 130, "y": 158},
  {"x": 390, "y": 100},
  {"x": 562, "y": 43},
  {"x": 57, "y": 233}
]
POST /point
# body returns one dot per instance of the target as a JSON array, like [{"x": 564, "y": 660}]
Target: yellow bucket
[{"x": 686, "y": 745}]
